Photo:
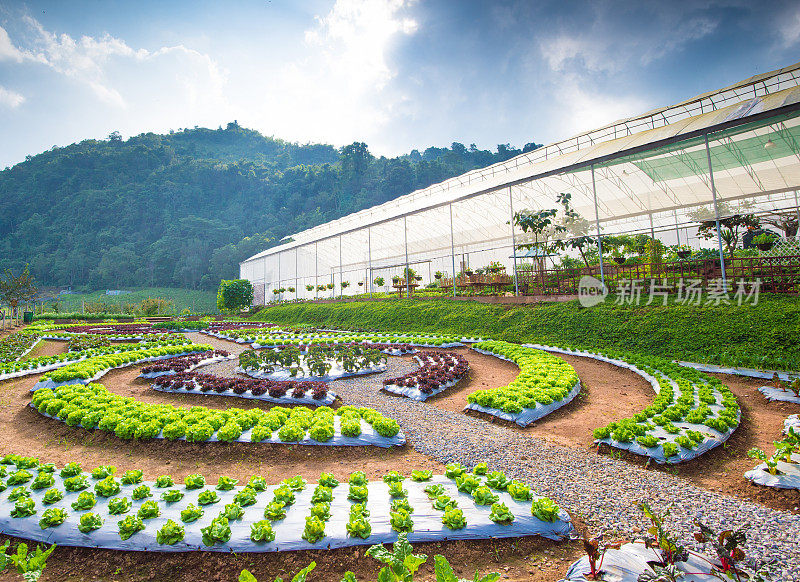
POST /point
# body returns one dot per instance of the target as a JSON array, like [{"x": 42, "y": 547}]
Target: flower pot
[
  {"x": 619, "y": 260},
  {"x": 764, "y": 246},
  {"x": 684, "y": 254}
]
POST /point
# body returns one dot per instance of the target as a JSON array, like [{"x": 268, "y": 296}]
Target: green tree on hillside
[{"x": 183, "y": 209}]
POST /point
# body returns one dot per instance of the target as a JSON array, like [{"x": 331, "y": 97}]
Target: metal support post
[
  {"x": 369, "y": 258},
  {"x": 408, "y": 273},
  {"x": 597, "y": 223},
  {"x": 513, "y": 242},
  {"x": 452, "y": 249},
  {"x": 716, "y": 213}
]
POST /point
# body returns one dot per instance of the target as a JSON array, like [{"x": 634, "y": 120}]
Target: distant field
[{"x": 196, "y": 301}]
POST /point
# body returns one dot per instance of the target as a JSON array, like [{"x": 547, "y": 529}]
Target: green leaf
[
  {"x": 444, "y": 573},
  {"x": 246, "y": 576},
  {"x": 301, "y": 575}
]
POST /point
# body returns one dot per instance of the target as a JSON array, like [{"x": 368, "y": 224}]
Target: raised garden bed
[
  {"x": 438, "y": 372},
  {"x": 124, "y": 512}
]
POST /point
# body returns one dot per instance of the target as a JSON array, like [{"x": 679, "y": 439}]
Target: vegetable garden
[{"x": 142, "y": 393}]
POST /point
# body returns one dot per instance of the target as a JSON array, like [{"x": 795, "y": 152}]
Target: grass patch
[
  {"x": 763, "y": 336},
  {"x": 196, "y": 301}
]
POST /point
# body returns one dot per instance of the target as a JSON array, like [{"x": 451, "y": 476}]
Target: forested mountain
[{"x": 183, "y": 209}]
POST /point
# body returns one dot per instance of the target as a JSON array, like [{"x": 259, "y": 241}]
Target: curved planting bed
[
  {"x": 438, "y": 371},
  {"x": 303, "y": 392},
  {"x": 782, "y": 469},
  {"x": 93, "y": 407},
  {"x": 783, "y": 391},
  {"x": 276, "y": 339},
  {"x": 16, "y": 345},
  {"x": 93, "y": 368},
  {"x": 317, "y": 362},
  {"x": 692, "y": 413},
  {"x": 184, "y": 364},
  {"x": 545, "y": 383},
  {"x": 47, "y": 363},
  {"x": 105, "y": 510}
]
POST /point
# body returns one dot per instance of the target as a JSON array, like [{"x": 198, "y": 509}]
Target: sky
[{"x": 396, "y": 74}]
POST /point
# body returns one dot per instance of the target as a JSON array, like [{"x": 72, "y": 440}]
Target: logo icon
[{"x": 591, "y": 291}]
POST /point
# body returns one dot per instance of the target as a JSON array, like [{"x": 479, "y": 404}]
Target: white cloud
[
  {"x": 10, "y": 98},
  {"x": 339, "y": 89},
  {"x": 8, "y": 52},
  {"x": 611, "y": 40},
  {"x": 94, "y": 61},
  {"x": 789, "y": 27},
  {"x": 583, "y": 107}
]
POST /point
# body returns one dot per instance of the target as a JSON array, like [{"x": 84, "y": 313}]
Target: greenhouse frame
[{"x": 650, "y": 174}]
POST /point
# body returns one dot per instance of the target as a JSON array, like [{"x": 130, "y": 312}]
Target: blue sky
[{"x": 397, "y": 74}]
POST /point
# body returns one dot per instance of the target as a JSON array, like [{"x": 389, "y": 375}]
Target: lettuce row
[
  {"x": 92, "y": 406},
  {"x": 543, "y": 379}
]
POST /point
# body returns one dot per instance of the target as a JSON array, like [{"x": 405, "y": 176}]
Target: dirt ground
[
  {"x": 608, "y": 393},
  {"x": 528, "y": 559},
  {"x": 24, "y": 430}
]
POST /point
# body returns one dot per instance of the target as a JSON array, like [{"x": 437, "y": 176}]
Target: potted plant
[
  {"x": 418, "y": 278},
  {"x": 345, "y": 284},
  {"x": 764, "y": 241},
  {"x": 619, "y": 259},
  {"x": 379, "y": 281},
  {"x": 309, "y": 287},
  {"x": 396, "y": 279},
  {"x": 495, "y": 267},
  {"x": 683, "y": 252},
  {"x": 329, "y": 285},
  {"x": 469, "y": 272},
  {"x": 438, "y": 275},
  {"x": 361, "y": 283},
  {"x": 291, "y": 289},
  {"x": 321, "y": 287}
]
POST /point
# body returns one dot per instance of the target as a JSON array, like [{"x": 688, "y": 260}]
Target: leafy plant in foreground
[
  {"x": 119, "y": 505},
  {"x": 401, "y": 562},
  {"x": 544, "y": 509},
  {"x": 170, "y": 534},
  {"x": 129, "y": 526},
  {"x": 90, "y": 522},
  {"x": 246, "y": 576},
  {"x": 52, "y": 517},
  {"x": 217, "y": 531},
  {"x": 29, "y": 564},
  {"x": 671, "y": 550},
  {"x": 191, "y": 513}
]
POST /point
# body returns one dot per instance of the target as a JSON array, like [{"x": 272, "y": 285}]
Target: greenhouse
[{"x": 710, "y": 156}]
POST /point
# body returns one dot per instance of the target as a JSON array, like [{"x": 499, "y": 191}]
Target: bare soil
[
  {"x": 24, "y": 430},
  {"x": 722, "y": 469},
  {"x": 528, "y": 559},
  {"x": 610, "y": 393},
  {"x": 47, "y": 348}
]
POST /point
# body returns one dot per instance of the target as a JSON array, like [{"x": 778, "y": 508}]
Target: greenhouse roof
[{"x": 639, "y": 167}]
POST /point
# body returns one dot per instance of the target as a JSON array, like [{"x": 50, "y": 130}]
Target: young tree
[
  {"x": 234, "y": 295},
  {"x": 17, "y": 290},
  {"x": 730, "y": 229}
]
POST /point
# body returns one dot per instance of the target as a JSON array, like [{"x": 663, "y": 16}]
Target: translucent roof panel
[{"x": 634, "y": 182}]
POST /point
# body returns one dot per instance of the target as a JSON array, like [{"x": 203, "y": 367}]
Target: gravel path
[{"x": 602, "y": 491}]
